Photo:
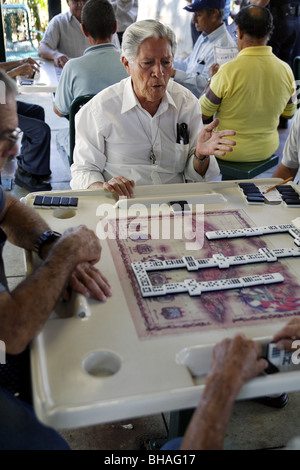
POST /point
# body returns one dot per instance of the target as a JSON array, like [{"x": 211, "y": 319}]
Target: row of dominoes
[
  {"x": 52, "y": 202},
  {"x": 218, "y": 260},
  {"x": 252, "y": 193},
  {"x": 289, "y": 195},
  {"x": 258, "y": 195},
  {"x": 194, "y": 288},
  {"x": 254, "y": 231}
]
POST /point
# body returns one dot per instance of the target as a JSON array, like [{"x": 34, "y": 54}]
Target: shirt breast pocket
[
  {"x": 200, "y": 67},
  {"x": 181, "y": 156}
]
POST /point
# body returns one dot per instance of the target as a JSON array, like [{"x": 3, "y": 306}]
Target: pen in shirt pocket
[{"x": 182, "y": 134}]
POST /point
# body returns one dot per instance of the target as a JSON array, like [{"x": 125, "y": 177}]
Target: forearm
[
  {"x": 96, "y": 185},
  {"x": 22, "y": 225},
  {"x": 46, "y": 52},
  {"x": 207, "y": 428},
  {"x": 7, "y": 66},
  {"x": 57, "y": 112},
  {"x": 195, "y": 83},
  {"x": 285, "y": 172},
  {"x": 29, "y": 305}
]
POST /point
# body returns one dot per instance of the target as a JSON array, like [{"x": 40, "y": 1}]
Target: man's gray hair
[
  {"x": 139, "y": 31},
  {"x": 210, "y": 11}
]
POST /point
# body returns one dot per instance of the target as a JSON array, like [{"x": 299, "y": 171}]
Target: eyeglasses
[{"x": 12, "y": 136}]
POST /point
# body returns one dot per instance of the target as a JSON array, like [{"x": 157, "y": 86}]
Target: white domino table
[{"x": 90, "y": 366}]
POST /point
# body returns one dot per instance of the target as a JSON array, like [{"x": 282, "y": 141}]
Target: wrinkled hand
[
  {"x": 120, "y": 185},
  {"x": 288, "y": 334},
  {"x": 81, "y": 243},
  {"x": 212, "y": 142},
  {"x": 213, "y": 69},
  {"x": 88, "y": 281},
  {"x": 60, "y": 60},
  {"x": 28, "y": 70},
  {"x": 238, "y": 360}
]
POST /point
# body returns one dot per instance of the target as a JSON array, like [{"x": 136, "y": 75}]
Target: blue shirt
[
  {"x": 193, "y": 72},
  {"x": 99, "y": 67}
]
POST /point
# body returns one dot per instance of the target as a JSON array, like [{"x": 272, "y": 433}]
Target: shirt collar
[
  {"x": 217, "y": 32},
  {"x": 256, "y": 50},
  {"x": 71, "y": 17},
  {"x": 130, "y": 100},
  {"x": 99, "y": 46}
]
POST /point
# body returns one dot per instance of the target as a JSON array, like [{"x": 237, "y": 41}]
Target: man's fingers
[
  {"x": 213, "y": 124},
  {"x": 120, "y": 185},
  {"x": 226, "y": 132},
  {"x": 90, "y": 282}
]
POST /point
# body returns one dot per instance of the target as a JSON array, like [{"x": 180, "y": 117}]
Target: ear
[
  {"x": 115, "y": 28},
  {"x": 126, "y": 64},
  {"x": 84, "y": 30},
  {"x": 240, "y": 33},
  {"x": 216, "y": 13}
]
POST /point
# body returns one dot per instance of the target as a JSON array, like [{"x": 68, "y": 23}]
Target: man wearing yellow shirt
[{"x": 250, "y": 93}]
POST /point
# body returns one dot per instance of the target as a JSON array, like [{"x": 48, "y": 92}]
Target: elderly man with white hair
[{"x": 145, "y": 129}]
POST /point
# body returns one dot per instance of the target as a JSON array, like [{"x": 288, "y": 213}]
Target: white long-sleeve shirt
[{"x": 115, "y": 135}]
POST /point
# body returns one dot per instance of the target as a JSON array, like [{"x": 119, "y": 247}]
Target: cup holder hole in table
[
  {"x": 102, "y": 363},
  {"x": 64, "y": 213}
]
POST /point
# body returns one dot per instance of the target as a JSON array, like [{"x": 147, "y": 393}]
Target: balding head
[{"x": 255, "y": 21}]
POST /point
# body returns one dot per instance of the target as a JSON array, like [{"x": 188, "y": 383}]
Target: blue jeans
[
  {"x": 21, "y": 430},
  {"x": 35, "y": 149}
]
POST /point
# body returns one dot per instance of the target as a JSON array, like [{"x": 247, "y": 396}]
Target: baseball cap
[{"x": 198, "y": 5}]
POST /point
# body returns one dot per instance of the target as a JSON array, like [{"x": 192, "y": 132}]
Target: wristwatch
[
  {"x": 200, "y": 159},
  {"x": 46, "y": 237}
]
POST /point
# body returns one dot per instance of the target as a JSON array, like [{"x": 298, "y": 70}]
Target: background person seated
[
  {"x": 64, "y": 38},
  {"x": 193, "y": 72},
  {"x": 34, "y": 157},
  {"x": 251, "y": 92},
  {"x": 100, "y": 66}
]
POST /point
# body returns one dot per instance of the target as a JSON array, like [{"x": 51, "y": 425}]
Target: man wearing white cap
[{"x": 193, "y": 72}]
